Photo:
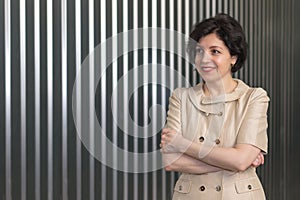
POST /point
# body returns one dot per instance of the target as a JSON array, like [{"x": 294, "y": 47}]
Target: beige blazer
[{"x": 238, "y": 117}]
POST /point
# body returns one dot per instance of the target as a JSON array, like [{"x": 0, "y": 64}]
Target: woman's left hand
[
  {"x": 260, "y": 160},
  {"x": 173, "y": 142}
]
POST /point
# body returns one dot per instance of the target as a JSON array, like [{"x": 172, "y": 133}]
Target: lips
[{"x": 207, "y": 68}]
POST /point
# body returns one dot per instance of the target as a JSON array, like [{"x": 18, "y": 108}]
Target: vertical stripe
[
  {"x": 172, "y": 76},
  {"x": 194, "y": 21},
  {"x": 92, "y": 99},
  {"x": 78, "y": 97},
  {"x": 251, "y": 60},
  {"x": 114, "y": 100},
  {"x": 241, "y": 20},
  {"x": 186, "y": 32},
  {"x": 145, "y": 88},
  {"x": 154, "y": 123},
  {"x": 23, "y": 96},
  {"x": 179, "y": 43},
  {"x": 288, "y": 82},
  {"x": 292, "y": 64},
  {"x": 64, "y": 78},
  {"x": 135, "y": 98},
  {"x": 172, "y": 41},
  {"x": 272, "y": 108},
  {"x": 153, "y": 82},
  {"x": 220, "y": 6},
  {"x": 207, "y": 9},
  {"x": 163, "y": 97},
  {"x": 255, "y": 48},
  {"x": 213, "y": 8},
  {"x": 8, "y": 100},
  {"x": 103, "y": 120},
  {"x": 103, "y": 97},
  {"x": 293, "y": 85},
  {"x": 50, "y": 97},
  {"x": 125, "y": 96},
  {"x": 283, "y": 86},
  {"x": 225, "y": 6},
  {"x": 268, "y": 74},
  {"x": 264, "y": 43},
  {"x": 260, "y": 66},
  {"x": 287, "y": 62},
  {"x": 236, "y": 9},
  {"x": 231, "y": 7},
  {"x": 246, "y": 30},
  {"x": 201, "y": 10},
  {"x": 37, "y": 98}
]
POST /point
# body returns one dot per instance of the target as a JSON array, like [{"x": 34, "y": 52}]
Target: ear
[{"x": 233, "y": 60}]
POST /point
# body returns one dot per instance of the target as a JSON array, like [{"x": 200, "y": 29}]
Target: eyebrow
[{"x": 211, "y": 47}]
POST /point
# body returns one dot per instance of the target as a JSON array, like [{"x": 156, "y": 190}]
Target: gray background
[{"x": 41, "y": 157}]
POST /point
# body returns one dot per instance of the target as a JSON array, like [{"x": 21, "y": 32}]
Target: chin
[{"x": 211, "y": 79}]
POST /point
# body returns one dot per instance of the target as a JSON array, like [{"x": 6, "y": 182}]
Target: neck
[{"x": 219, "y": 87}]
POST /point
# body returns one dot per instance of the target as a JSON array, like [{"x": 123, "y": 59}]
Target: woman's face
[{"x": 213, "y": 60}]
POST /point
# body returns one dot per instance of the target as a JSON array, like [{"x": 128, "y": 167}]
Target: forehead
[{"x": 211, "y": 40}]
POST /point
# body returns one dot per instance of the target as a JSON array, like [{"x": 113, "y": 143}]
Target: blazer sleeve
[
  {"x": 174, "y": 111},
  {"x": 253, "y": 129}
]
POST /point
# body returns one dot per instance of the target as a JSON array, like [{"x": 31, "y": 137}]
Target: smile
[{"x": 207, "y": 68}]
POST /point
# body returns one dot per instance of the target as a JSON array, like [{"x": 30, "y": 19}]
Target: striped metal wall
[{"x": 45, "y": 44}]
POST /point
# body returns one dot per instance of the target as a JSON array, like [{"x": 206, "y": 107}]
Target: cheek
[
  {"x": 197, "y": 60},
  {"x": 220, "y": 60},
  {"x": 223, "y": 64}
]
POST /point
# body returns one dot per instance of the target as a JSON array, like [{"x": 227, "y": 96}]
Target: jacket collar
[{"x": 196, "y": 95}]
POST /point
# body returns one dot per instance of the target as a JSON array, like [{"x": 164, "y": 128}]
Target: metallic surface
[{"x": 42, "y": 46}]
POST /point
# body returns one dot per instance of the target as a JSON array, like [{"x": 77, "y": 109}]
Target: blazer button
[
  {"x": 206, "y": 114},
  {"x": 218, "y": 188},
  {"x": 180, "y": 187},
  {"x": 202, "y": 188},
  {"x": 217, "y": 141},
  {"x": 201, "y": 139},
  {"x": 249, "y": 187}
]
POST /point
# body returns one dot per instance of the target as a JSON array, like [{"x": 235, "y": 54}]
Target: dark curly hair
[{"x": 228, "y": 30}]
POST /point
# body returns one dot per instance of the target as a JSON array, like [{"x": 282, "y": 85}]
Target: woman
[{"x": 216, "y": 131}]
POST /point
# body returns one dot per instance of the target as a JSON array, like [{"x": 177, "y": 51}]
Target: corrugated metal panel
[{"x": 42, "y": 47}]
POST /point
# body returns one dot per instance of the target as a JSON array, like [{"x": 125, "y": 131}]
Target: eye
[
  {"x": 215, "y": 51},
  {"x": 199, "y": 50}
]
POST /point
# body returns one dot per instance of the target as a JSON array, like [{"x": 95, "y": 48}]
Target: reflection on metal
[{"x": 45, "y": 48}]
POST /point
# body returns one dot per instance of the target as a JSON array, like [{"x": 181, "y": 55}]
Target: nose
[{"x": 205, "y": 57}]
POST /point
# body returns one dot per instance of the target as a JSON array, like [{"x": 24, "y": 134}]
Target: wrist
[{"x": 185, "y": 145}]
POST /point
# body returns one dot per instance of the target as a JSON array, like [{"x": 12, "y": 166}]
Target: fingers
[
  {"x": 168, "y": 141},
  {"x": 262, "y": 158},
  {"x": 256, "y": 162},
  {"x": 259, "y": 160},
  {"x": 166, "y": 131},
  {"x": 164, "y": 137},
  {"x": 167, "y": 135}
]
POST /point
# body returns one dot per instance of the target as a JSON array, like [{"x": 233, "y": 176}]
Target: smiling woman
[
  {"x": 213, "y": 60},
  {"x": 216, "y": 131},
  {"x": 43, "y": 45}
]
